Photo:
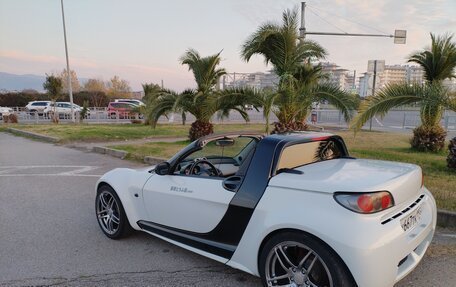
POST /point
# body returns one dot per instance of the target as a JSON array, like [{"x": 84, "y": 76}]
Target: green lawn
[
  {"x": 375, "y": 145},
  {"x": 120, "y": 132}
]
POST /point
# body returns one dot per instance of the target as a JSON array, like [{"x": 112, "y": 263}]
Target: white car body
[
  {"x": 378, "y": 249},
  {"x": 62, "y": 108},
  {"x": 131, "y": 101},
  {"x": 37, "y": 106}
]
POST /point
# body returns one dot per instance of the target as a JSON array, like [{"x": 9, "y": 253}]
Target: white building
[
  {"x": 387, "y": 75},
  {"x": 256, "y": 80}
]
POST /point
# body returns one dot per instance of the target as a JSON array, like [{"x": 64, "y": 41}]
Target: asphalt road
[{"x": 49, "y": 235}]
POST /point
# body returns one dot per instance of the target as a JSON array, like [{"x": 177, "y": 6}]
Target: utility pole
[
  {"x": 302, "y": 30},
  {"x": 399, "y": 35},
  {"x": 70, "y": 90}
]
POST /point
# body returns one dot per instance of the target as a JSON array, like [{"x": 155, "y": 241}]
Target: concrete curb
[
  {"x": 446, "y": 218},
  {"x": 33, "y": 135},
  {"x": 153, "y": 160},
  {"x": 110, "y": 151}
]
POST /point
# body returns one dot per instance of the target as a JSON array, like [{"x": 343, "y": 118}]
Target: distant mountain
[{"x": 12, "y": 82}]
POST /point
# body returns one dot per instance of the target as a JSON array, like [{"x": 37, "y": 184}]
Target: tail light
[{"x": 368, "y": 202}]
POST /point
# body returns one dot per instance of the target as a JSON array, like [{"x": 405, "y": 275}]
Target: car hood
[{"x": 355, "y": 175}]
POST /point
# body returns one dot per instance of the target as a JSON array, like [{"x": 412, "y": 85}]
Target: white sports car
[{"x": 294, "y": 209}]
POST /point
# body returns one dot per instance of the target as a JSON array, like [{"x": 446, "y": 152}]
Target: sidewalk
[{"x": 88, "y": 146}]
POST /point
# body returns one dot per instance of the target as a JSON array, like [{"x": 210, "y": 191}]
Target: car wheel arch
[{"x": 294, "y": 230}]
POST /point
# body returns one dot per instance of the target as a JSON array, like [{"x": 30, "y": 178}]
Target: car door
[
  {"x": 189, "y": 203},
  {"x": 197, "y": 203}
]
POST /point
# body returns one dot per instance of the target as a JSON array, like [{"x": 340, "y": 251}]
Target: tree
[
  {"x": 299, "y": 81},
  {"x": 438, "y": 62},
  {"x": 75, "y": 86},
  {"x": 97, "y": 90},
  {"x": 118, "y": 88},
  {"x": 150, "y": 90},
  {"x": 53, "y": 86},
  {"x": 204, "y": 101}
]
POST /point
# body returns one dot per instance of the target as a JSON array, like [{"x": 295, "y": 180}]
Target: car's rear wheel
[
  {"x": 298, "y": 259},
  {"x": 110, "y": 213}
]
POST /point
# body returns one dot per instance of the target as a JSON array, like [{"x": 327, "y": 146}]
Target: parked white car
[
  {"x": 131, "y": 101},
  {"x": 37, "y": 106},
  {"x": 294, "y": 209},
  {"x": 5, "y": 111},
  {"x": 62, "y": 109}
]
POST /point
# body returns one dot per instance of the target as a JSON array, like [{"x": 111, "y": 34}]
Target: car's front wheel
[
  {"x": 298, "y": 259},
  {"x": 110, "y": 213}
]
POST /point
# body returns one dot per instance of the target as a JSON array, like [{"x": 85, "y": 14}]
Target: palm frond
[
  {"x": 388, "y": 98},
  {"x": 342, "y": 100},
  {"x": 439, "y": 60}
]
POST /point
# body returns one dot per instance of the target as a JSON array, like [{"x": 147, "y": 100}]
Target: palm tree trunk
[{"x": 200, "y": 128}]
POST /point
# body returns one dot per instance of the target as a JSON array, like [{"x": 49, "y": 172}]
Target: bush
[
  {"x": 200, "y": 129},
  {"x": 428, "y": 138},
  {"x": 11, "y": 118},
  {"x": 280, "y": 128},
  {"x": 451, "y": 158}
]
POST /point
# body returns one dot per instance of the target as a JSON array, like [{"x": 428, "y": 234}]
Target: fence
[{"x": 395, "y": 119}]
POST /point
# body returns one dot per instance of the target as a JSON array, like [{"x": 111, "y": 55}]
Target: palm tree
[
  {"x": 204, "y": 101},
  {"x": 299, "y": 81},
  {"x": 438, "y": 62}
]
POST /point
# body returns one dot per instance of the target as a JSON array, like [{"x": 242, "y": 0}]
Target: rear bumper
[{"x": 391, "y": 253}]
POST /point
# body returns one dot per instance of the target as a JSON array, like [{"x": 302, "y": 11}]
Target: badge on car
[{"x": 412, "y": 219}]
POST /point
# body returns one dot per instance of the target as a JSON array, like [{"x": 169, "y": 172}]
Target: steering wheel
[{"x": 198, "y": 168}]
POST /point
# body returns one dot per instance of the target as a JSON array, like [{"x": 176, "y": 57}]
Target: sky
[{"x": 141, "y": 41}]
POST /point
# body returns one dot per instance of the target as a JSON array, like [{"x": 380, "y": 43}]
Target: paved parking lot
[{"x": 49, "y": 235}]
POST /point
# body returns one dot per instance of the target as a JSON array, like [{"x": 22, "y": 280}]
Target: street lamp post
[
  {"x": 70, "y": 90},
  {"x": 399, "y": 38}
]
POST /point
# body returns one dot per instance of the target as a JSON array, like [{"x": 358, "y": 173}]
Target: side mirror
[{"x": 162, "y": 168}]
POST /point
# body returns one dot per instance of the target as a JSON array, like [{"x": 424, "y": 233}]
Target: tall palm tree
[
  {"x": 299, "y": 81},
  {"x": 204, "y": 101},
  {"x": 438, "y": 63}
]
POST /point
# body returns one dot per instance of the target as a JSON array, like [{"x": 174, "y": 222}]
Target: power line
[
  {"x": 313, "y": 12},
  {"x": 346, "y": 19}
]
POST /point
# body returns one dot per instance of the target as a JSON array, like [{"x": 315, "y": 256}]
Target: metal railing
[{"x": 395, "y": 119}]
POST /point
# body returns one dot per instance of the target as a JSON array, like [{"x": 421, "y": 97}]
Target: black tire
[
  {"x": 122, "y": 228},
  {"x": 329, "y": 270}
]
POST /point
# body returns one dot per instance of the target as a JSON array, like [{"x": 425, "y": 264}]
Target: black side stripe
[{"x": 220, "y": 249}]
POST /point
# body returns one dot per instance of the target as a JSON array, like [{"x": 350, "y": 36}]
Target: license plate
[{"x": 412, "y": 219}]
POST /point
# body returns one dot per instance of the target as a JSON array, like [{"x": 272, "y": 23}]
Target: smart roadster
[{"x": 294, "y": 209}]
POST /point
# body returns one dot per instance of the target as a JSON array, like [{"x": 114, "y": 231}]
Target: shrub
[
  {"x": 451, "y": 158},
  {"x": 428, "y": 138},
  {"x": 11, "y": 118},
  {"x": 280, "y": 128},
  {"x": 200, "y": 129},
  {"x": 84, "y": 111}
]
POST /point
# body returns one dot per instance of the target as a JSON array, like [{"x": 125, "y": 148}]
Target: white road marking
[
  {"x": 76, "y": 170},
  {"x": 447, "y": 235}
]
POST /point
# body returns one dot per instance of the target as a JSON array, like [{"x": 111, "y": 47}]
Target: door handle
[{"x": 232, "y": 183}]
